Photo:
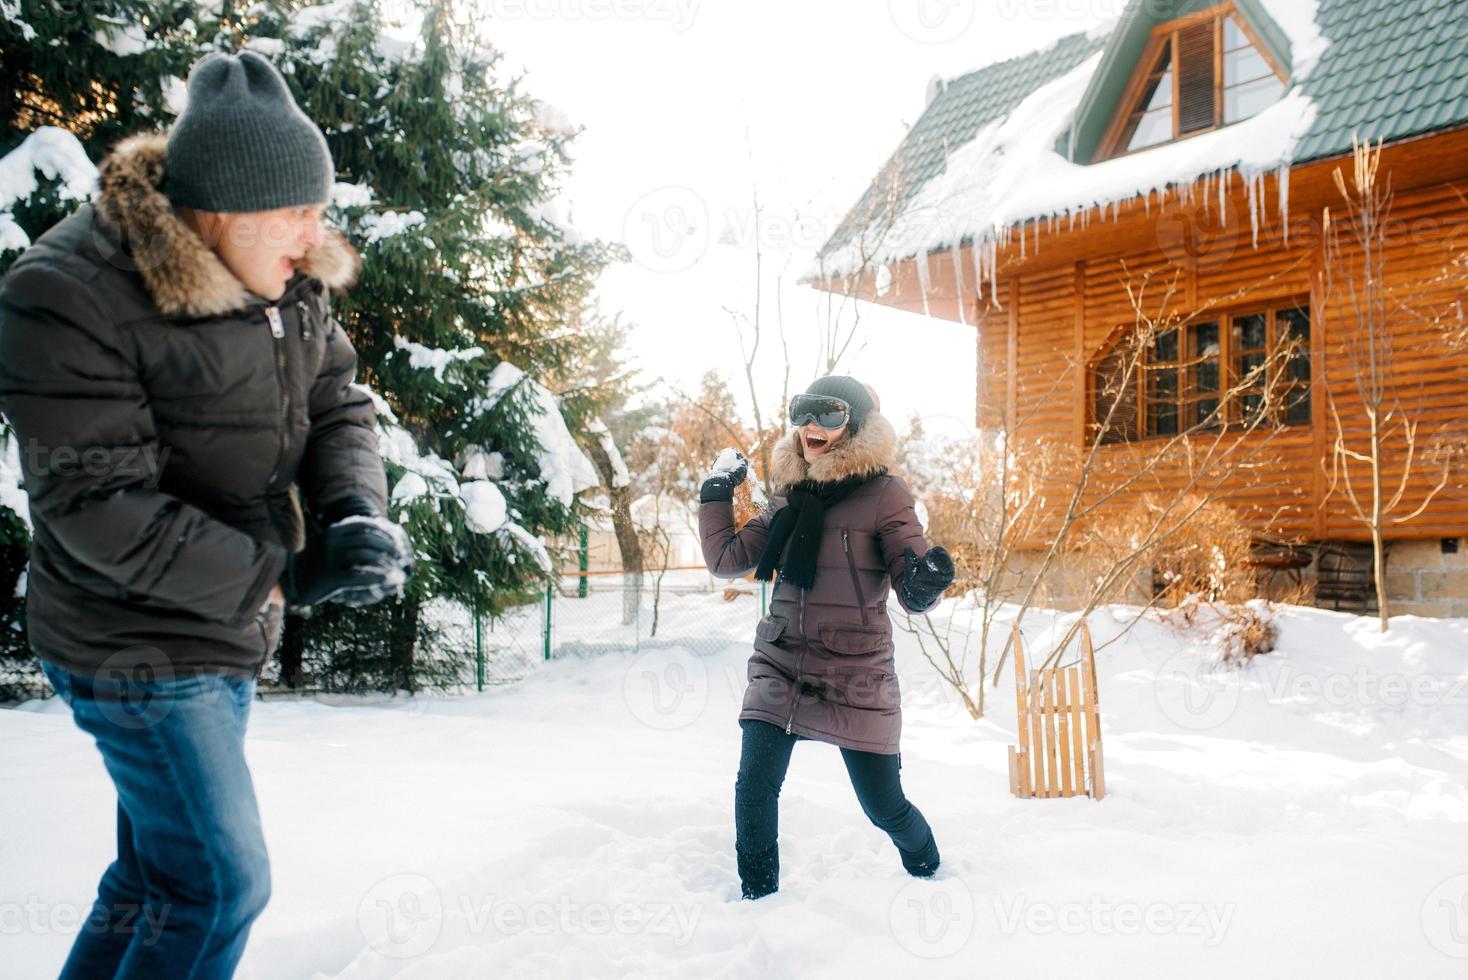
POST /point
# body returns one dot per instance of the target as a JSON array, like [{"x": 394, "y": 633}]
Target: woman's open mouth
[{"x": 814, "y": 442}]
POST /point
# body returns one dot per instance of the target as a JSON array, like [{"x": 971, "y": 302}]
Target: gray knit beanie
[
  {"x": 850, "y": 390},
  {"x": 242, "y": 143}
]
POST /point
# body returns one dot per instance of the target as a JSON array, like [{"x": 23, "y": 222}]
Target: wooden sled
[{"x": 1059, "y": 751}]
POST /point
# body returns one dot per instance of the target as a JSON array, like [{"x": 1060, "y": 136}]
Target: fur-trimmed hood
[
  {"x": 869, "y": 449},
  {"x": 181, "y": 272}
]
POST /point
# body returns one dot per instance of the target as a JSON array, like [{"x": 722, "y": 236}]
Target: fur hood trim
[{"x": 870, "y": 449}]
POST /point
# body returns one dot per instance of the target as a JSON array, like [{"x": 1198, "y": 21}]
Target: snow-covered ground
[{"x": 1306, "y": 817}]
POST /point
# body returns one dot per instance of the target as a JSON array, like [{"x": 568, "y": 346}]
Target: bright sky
[{"x": 689, "y": 106}]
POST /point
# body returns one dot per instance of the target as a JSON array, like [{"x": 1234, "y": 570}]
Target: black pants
[{"x": 763, "y": 761}]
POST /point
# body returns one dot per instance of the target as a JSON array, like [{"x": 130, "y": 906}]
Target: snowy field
[{"x": 1307, "y": 817}]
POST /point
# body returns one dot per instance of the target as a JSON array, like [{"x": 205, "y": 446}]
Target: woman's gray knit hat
[
  {"x": 845, "y": 387},
  {"x": 242, "y": 143}
]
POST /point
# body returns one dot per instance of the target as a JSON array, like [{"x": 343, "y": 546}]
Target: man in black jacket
[{"x": 177, "y": 384}]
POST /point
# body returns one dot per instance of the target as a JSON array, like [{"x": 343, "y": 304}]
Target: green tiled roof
[{"x": 1392, "y": 69}]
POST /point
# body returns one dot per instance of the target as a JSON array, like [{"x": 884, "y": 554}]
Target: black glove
[
  {"x": 925, "y": 578},
  {"x": 719, "y": 482},
  {"x": 343, "y": 557},
  {"x": 393, "y": 574}
]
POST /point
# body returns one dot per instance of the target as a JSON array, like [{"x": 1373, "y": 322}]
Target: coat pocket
[
  {"x": 770, "y": 628},
  {"x": 855, "y": 640}
]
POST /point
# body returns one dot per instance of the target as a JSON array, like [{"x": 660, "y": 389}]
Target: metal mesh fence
[{"x": 595, "y": 613}]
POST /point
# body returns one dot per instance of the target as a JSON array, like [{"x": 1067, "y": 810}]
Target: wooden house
[{"x": 1196, "y": 144}]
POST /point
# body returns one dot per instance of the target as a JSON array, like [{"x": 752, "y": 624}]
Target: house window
[
  {"x": 1182, "y": 377},
  {"x": 1198, "y": 73}
]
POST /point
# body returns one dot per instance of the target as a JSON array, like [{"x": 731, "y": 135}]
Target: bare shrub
[
  {"x": 1203, "y": 555},
  {"x": 1239, "y": 631}
]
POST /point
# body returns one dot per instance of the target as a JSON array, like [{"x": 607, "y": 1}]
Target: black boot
[
  {"x": 759, "y": 873},
  {"x": 921, "y": 864}
]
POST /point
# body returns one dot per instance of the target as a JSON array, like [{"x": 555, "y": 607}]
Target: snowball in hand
[
  {"x": 395, "y": 570},
  {"x": 731, "y": 463}
]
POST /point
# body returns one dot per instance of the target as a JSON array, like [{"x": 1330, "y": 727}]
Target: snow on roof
[{"x": 1010, "y": 172}]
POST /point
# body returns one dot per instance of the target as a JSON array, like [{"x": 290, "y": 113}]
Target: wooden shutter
[
  {"x": 1195, "y": 78},
  {"x": 1106, "y": 389}
]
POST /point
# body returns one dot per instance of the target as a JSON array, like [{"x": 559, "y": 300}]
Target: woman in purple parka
[{"x": 840, "y": 531}]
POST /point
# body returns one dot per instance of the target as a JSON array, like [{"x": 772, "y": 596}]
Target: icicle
[
  {"x": 994, "y": 263},
  {"x": 977, "y": 250},
  {"x": 1283, "y": 178},
  {"x": 1252, "y": 186}
]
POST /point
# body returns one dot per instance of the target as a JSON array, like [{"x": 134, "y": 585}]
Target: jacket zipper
[
  {"x": 277, "y": 330},
  {"x": 305, "y": 320},
  {"x": 861, "y": 601},
  {"x": 795, "y": 701}
]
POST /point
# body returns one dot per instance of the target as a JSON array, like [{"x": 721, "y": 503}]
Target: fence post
[
  {"x": 585, "y": 562},
  {"x": 478, "y": 646},
  {"x": 549, "y": 590}
]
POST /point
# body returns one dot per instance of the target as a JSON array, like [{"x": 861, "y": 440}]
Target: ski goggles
[{"x": 827, "y": 411}]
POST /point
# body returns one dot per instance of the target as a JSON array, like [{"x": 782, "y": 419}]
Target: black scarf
[{"x": 804, "y": 516}]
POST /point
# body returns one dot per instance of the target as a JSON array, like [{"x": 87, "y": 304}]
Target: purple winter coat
[{"x": 822, "y": 664}]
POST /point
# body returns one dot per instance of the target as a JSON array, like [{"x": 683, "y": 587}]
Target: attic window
[{"x": 1198, "y": 73}]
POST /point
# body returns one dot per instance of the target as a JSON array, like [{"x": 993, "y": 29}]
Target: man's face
[{"x": 261, "y": 248}]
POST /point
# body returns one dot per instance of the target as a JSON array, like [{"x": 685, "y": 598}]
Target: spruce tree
[{"x": 471, "y": 287}]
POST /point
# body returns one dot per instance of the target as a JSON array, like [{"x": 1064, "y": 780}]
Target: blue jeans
[{"x": 191, "y": 873}]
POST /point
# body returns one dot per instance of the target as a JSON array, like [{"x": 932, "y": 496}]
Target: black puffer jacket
[{"x": 163, "y": 413}]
